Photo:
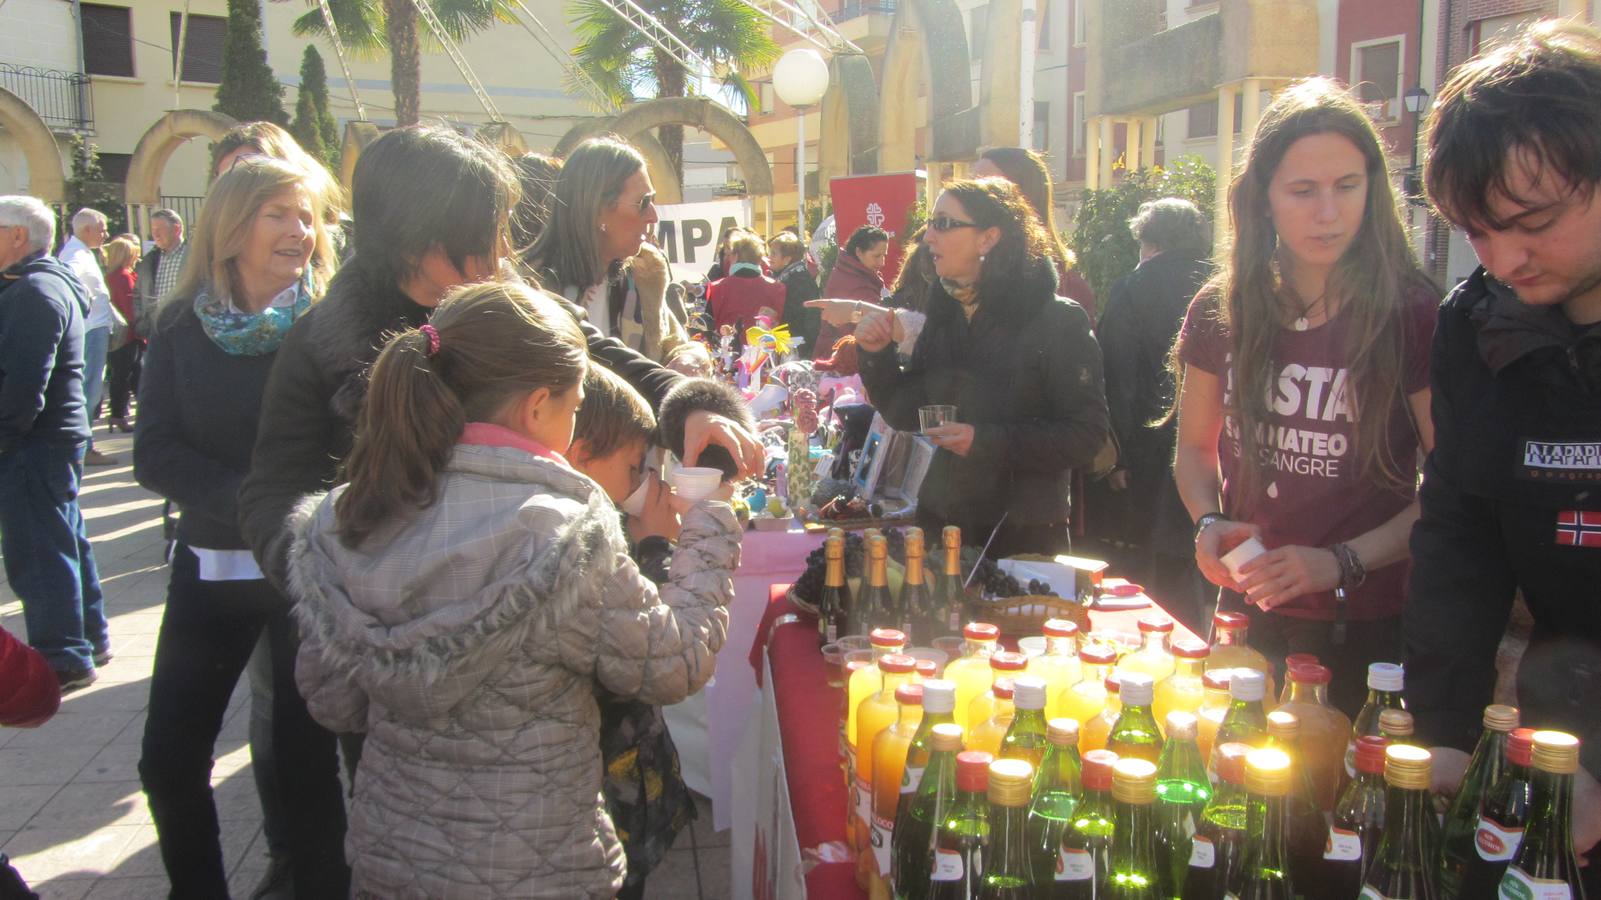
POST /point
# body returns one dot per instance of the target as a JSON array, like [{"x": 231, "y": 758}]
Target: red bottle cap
[
  {"x": 981, "y": 631},
  {"x": 1007, "y": 661},
  {"x": 973, "y": 770},
  {"x": 1231, "y": 762},
  {"x": 1216, "y": 679},
  {"x": 1370, "y": 754},
  {"x": 887, "y": 637},
  {"x": 1191, "y": 648},
  {"x": 927, "y": 668},
  {"x": 898, "y": 663},
  {"x": 1113, "y": 683},
  {"x": 1161, "y": 624},
  {"x": 1520, "y": 746},
  {"x": 909, "y": 695},
  {"x": 1310, "y": 673},
  {"x": 1098, "y": 655},
  {"x": 1301, "y": 659},
  {"x": 1231, "y": 620},
  {"x": 1003, "y": 688},
  {"x": 1061, "y": 628},
  {"x": 1097, "y": 772}
]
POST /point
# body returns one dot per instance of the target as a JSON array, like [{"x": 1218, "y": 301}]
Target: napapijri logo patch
[{"x": 1562, "y": 460}]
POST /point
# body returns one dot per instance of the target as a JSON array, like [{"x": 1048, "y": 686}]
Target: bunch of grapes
[{"x": 997, "y": 583}]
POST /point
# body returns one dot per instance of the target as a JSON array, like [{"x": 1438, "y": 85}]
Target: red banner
[{"x": 880, "y": 200}]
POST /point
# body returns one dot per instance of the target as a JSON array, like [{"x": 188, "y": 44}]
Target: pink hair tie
[{"x": 433, "y": 339}]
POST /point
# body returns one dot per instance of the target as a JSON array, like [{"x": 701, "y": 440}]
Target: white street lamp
[{"x": 801, "y": 79}]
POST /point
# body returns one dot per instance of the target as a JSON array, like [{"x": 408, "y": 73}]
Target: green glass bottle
[
  {"x": 1245, "y": 722},
  {"x": 877, "y": 603},
  {"x": 1264, "y": 872},
  {"x": 1056, "y": 788},
  {"x": 1501, "y": 823},
  {"x": 1357, "y": 822},
  {"x": 1026, "y": 737},
  {"x": 912, "y": 847},
  {"x": 1545, "y": 866},
  {"x": 1134, "y": 875},
  {"x": 1219, "y": 841},
  {"x": 835, "y": 600},
  {"x": 1458, "y": 846},
  {"x": 1134, "y": 735},
  {"x": 914, "y": 603},
  {"x": 1403, "y": 867},
  {"x": 1307, "y": 828},
  {"x": 1084, "y": 862},
  {"x": 1385, "y": 681},
  {"x": 1182, "y": 793},
  {"x": 958, "y": 869},
  {"x": 1007, "y": 872},
  {"x": 947, "y": 596}
]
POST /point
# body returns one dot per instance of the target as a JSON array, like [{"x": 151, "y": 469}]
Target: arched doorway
[
  {"x": 849, "y": 120},
  {"x": 150, "y": 156},
  {"x": 46, "y": 180}
]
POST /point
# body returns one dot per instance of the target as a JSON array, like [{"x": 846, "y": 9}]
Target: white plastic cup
[
  {"x": 695, "y": 482},
  {"x": 1032, "y": 646},
  {"x": 634, "y": 505},
  {"x": 1248, "y": 550}
]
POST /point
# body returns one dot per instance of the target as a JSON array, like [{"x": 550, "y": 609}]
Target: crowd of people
[{"x": 398, "y": 427}]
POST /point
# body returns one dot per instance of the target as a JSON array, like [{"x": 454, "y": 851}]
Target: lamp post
[
  {"x": 1416, "y": 100},
  {"x": 801, "y": 79}
]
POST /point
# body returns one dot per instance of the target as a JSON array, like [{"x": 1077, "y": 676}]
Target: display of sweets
[
  {"x": 1231, "y": 649},
  {"x": 1324, "y": 729},
  {"x": 890, "y": 749},
  {"x": 1385, "y": 681},
  {"x": 912, "y": 842},
  {"x": 1084, "y": 864},
  {"x": 958, "y": 869},
  {"x": 1245, "y": 722},
  {"x": 1264, "y": 872},
  {"x": 1502, "y": 820},
  {"x": 1545, "y": 865},
  {"x": 970, "y": 672},
  {"x": 1134, "y": 734},
  {"x": 1308, "y": 830},
  {"x": 1056, "y": 793},
  {"x": 1404, "y": 866},
  {"x": 1059, "y": 664},
  {"x": 1182, "y": 793},
  {"x": 1357, "y": 822},
  {"x": 1154, "y": 657},
  {"x": 1005, "y": 665},
  {"x": 1459, "y": 832},
  {"x": 1182, "y": 690},
  {"x": 1008, "y": 874}
]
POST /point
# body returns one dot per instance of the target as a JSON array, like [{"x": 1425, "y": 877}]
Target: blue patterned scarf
[{"x": 249, "y": 334}]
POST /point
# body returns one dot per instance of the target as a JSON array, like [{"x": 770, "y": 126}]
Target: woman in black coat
[{"x": 1018, "y": 362}]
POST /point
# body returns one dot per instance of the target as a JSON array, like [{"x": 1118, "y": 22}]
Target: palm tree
[
  {"x": 372, "y": 26},
  {"x": 628, "y": 67}
]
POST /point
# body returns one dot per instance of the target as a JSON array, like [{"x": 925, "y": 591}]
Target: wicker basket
[{"x": 1025, "y": 615}]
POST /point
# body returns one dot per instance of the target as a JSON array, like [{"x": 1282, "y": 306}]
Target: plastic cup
[
  {"x": 953, "y": 645},
  {"x": 695, "y": 482},
  {"x": 855, "y": 642},
  {"x": 1249, "y": 549},
  {"x": 834, "y": 660},
  {"x": 935, "y": 415},
  {"x": 1032, "y": 646}
]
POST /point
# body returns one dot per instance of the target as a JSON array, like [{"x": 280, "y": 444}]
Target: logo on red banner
[{"x": 1578, "y": 529}]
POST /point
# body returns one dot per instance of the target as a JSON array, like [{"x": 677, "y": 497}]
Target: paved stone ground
[{"x": 72, "y": 815}]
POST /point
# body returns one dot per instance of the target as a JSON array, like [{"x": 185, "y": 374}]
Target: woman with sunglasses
[
  {"x": 595, "y": 248},
  {"x": 1017, "y": 361}
]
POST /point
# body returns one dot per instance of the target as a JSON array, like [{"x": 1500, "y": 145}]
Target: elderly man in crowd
[
  {"x": 88, "y": 233},
  {"x": 158, "y": 268},
  {"x": 43, "y": 430}
]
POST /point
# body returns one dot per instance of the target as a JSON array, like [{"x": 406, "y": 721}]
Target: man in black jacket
[
  {"x": 43, "y": 431},
  {"x": 1511, "y": 496}
]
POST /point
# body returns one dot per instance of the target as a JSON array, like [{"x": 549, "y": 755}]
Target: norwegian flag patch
[{"x": 1578, "y": 529}]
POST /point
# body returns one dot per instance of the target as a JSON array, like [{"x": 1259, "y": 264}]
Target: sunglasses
[
  {"x": 946, "y": 223},
  {"x": 646, "y": 202}
]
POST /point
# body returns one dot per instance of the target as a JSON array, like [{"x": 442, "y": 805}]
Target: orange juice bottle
[
  {"x": 847, "y": 752},
  {"x": 1182, "y": 690},
  {"x": 884, "y": 641},
  {"x": 988, "y": 734},
  {"x": 1154, "y": 658},
  {"x": 1058, "y": 665},
  {"x": 1230, "y": 651},
  {"x": 1323, "y": 728},
  {"x": 1096, "y": 729},
  {"x": 1004, "y": 664},
  {"x": 1083, "y": 701},
  {"x": 971, "y": 671},
  {"x": 1214, "y": 705},
  {"x": 889, "y": 764},
  {"x": 1291, "y": 663},
  {"x": 877, "y": 712}
]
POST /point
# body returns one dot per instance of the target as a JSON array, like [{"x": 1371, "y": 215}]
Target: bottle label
[
  {"x": 1342, "y": 845},
  {"x": 1350, "y": 759},
  {"x": 1517, "y": 884},
  {"x": 881, "y": 835},
  {"x": 1202, "y": 854},
  {"x": 864, "y": 801},
  {"x": 911, "y": 777},
  {"x": 833, "y": 630},
  {"x": 947, "y": 865},
  {"x": 1075, "y": 865},
  {"x": 1495, "y": 842}
]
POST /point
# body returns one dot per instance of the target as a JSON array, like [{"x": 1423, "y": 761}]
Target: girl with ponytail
[{"x": 464, "y": 595}]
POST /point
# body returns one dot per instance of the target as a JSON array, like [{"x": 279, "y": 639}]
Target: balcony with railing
[
  {"x": 62, "y": 99},
  {"x": 850, "y": 9}
]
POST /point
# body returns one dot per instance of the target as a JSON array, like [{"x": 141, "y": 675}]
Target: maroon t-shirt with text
[{"x": 1314, "y": 493}]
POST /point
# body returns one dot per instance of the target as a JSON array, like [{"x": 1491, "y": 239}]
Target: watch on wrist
[{"x": 1205, "y": 520}]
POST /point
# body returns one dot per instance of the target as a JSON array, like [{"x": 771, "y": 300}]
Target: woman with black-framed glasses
[{"x": 1017, "y": 361}]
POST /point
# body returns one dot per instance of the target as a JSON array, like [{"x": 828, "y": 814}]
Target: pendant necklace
[{"x": 1302, "y": 321}]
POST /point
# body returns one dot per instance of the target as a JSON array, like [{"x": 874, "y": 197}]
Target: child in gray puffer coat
[{"x": 462, "y": 596}]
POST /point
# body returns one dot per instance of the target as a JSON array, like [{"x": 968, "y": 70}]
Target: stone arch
[
  {"x": 922, "y": 31},
  {"x": 662, "y": 174},
  {"x": 46, "y": 180},
  {"x": 711, "y": 118},
  {"x": 157, "y": 145},
  {"x": 848, "y": 120}
]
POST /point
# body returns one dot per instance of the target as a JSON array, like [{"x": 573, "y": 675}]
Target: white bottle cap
[
  {"x": 1386, "y": 676},
  {"x": 1137, "y": 689},
  {"x": 1248, "y": 685},
  {"x": 939, "y": 696},
  {"x": 1028, "y": 692}
]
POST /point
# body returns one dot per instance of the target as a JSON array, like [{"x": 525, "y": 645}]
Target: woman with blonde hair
[
  {"x": 122, "y": 363},
  {"x": 1303, "y": 391},
  {"x": 258, "y": 259}
]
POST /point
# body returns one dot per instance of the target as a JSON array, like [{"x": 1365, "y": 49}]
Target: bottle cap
[
  {"x": 914, "y": 541},
  {"x": 877, "y": 547},
  {"x": 981, "y": 631},
  {"x": 1011, "y": 782},
  {"x": 1004, "y": 689},
  {"x": 834, "y": 548},
  {"x": 887, "y": 637},
  {"x": 1407, "y": 766},
  {"x": 1520, "y": 747},
  {"x": 836, "y": 534},
  {"x": 1556, "y": 752},
  {"x": 1283, "y": 725},
  {"x": 926, "y": 668},
  {"x": 1500, "y": 717},
  {"x": 1181, "y": 725},
  {"x": 1190, "y": 648},
  {"x": 1231, "y": 762},
  {"x": 1028, "y": 692},
  {"x": 1137, "y": 689},
  {"x": 1156, "y": 624},
  {"x": 1061, "y": 628},
  {"x": 1216, "y": 679},
  {"x": 1062, "y": 732},
  {"x": 1386, "y": 676},
  {"x": 909, "y": 695},
  {"x": 898, "y": 663},
  {"x": 973, "y": 770},
  {"x": 939, "y": 696},
  {"x": 1248, "y": 685},
  {"x": 1300, "y": 659},
  {"x": 1396, "y": 723},
  {"x": 1097, "y": 772},
  {"x": 946, "y": 737},
  {"x": 1008, "y": 661},
  {"x": 1113, "y": 683},
  {"x": 1231, "y": 620},
  {"x": 951, "y": 536},
  {"x": 1134, "y": 781},
  {"x": 1311, "y": 673},
  {"x": 1097, "y": 655},
  {"x": 1370, "y": 753},
  {"x": 1267, "y": 772}
]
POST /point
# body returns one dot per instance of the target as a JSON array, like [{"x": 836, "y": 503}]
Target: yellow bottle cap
[
  {"x": 1134, "y": 781},
  {"x": 914, "y": 541},
  {"x": 952, "y": 536},
  {"x": 946, "y": 737},
  {"x": 1267, "y": 773},
  {"x": 1500, "y": 717},
  {"x": 1283, "y": 725},
  {"x": 1395, "y": 723},
  {"x": 1556, "y": 752},
  {"x": 1407, "y": 766},
  {"x": 1011, "y": 782},
  {"x": 877, "y": 547}
]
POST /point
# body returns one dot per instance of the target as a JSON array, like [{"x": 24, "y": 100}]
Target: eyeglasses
[
  {"x": 646, "y": 202},
  {"x": 946, "y": 223}
]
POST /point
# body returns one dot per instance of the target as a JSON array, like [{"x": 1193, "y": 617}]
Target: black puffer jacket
[{"x": 1026, "y": 372}]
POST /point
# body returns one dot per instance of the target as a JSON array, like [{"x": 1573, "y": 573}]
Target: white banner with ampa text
[{"x": 688, "y": 232}]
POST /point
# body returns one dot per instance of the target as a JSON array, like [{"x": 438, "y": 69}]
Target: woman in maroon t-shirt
[{"x": 1319, "y": 313}]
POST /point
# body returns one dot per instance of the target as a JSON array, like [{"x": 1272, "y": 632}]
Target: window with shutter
[
  {"x": 202, "y": 47},
  {"x": 107, "y": 40}
]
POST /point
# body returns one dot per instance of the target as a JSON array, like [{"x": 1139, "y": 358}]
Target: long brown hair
[
  {"x": 1027, "y": 169},
  {"x": 1371, "y": 282},
  {"x": 592, "y": 178},
  {"x": 997, "y": 202},
  {"x": 498, "y": 342}
]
